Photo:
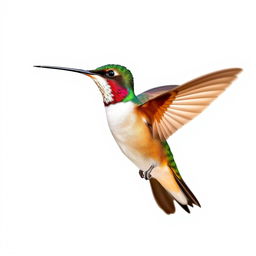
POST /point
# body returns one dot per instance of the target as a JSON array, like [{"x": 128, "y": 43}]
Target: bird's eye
[{"x": 110, "y": 73}]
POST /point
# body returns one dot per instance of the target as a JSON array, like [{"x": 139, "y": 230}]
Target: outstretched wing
[
  {"x": 171, "y": 110},
  {"x": 154, "y": 92}
]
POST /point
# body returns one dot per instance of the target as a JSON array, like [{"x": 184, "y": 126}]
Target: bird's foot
[
  {"x": 146, "y": 174},
  {"x": 142, "y": 174}
]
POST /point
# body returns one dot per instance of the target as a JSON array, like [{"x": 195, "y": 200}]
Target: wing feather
[
  {"x": 179, "y": 118},
  {"x": 202, "y": 101},
  {"x": 214, "y": 82},
  {"x": 154, "y": 92},
  {"x": 171, "y": 128},
  {"x": 165, "y": 129},
  {"x": 172, "y": 109},
  {"x": 192, "y": 108},
  {"x": 186, "y": 114}
]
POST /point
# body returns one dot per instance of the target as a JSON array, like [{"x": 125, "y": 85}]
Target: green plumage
[
  {"x": 125, "y": 73},
  {"x": 170, "y": 158}
]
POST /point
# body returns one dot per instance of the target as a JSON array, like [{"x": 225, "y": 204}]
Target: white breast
[
  {"x": 122, "y": 123},
  {"x": 121, "y": 119}
]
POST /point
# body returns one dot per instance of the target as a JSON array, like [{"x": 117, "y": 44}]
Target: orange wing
[{"x": 171, "y": 110}]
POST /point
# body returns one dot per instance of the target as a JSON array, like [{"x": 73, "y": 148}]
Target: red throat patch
[{"x": 119, "y": 92}]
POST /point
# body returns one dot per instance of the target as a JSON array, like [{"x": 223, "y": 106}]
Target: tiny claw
[
  {"x": 141, "y": 173},
  {"x": 148, "y": 175}
]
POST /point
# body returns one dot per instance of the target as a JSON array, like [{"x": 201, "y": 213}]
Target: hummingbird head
[{"x": 115, "y": 82}]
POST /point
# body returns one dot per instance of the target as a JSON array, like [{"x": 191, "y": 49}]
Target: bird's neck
[{"x": 113, "y": 92}]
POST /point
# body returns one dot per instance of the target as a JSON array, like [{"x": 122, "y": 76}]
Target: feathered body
[
  {"x": 133, "y": 136},
  {"x": 141, "y": 124}
]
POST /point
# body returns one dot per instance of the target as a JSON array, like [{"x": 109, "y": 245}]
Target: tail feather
[
  {"x": 190, "y": 196},
  {"x": 162, "y": 197},
  {"x": 167, "y": 187},
  {"x": 184, "y": 207}
]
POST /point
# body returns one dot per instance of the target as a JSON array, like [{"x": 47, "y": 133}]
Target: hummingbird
[{"x": 141, "y": 124}]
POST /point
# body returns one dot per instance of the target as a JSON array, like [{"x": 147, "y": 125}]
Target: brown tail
[
  {"x": 162, "y": 197},
  {"x": 190, "y": 196},
  {"x": 166, "y": 201}
]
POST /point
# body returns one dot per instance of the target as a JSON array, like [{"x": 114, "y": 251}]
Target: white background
[{"x": 66, "y": 189}]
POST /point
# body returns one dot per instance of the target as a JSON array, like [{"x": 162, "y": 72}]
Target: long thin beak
[{"x": 85, "y": 72}]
